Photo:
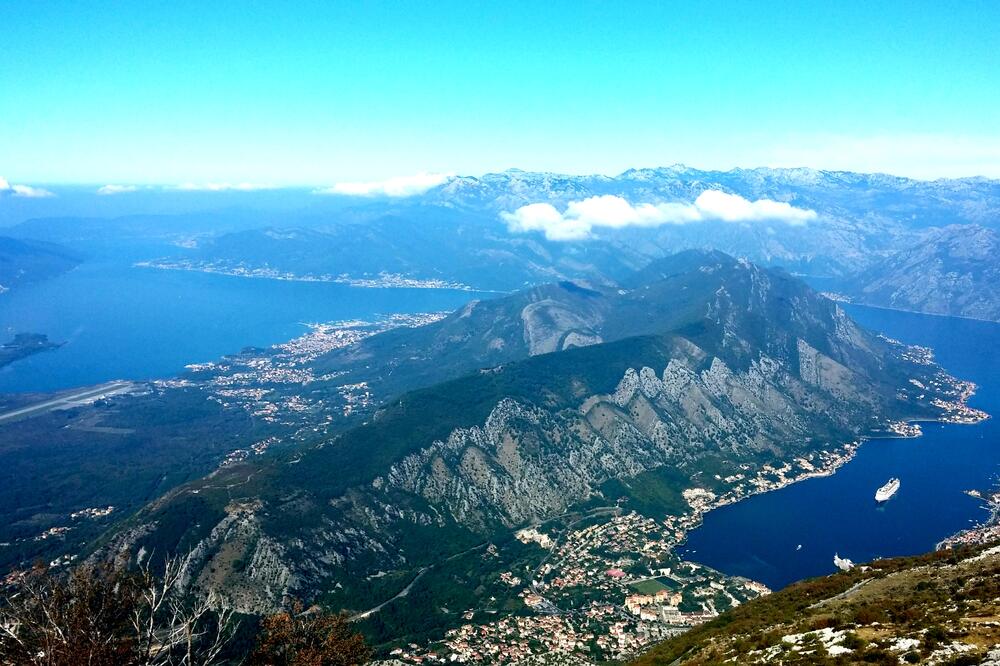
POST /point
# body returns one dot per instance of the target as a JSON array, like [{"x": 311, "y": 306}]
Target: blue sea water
[
  {"x": 122, "y": 322},
  {"x": 758, "y": 537}
]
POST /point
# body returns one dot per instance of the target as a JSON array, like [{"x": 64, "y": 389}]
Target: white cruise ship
[{"x": 887, "y": 491}]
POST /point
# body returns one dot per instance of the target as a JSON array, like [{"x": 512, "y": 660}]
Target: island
[{"x": 24, "y": 345}]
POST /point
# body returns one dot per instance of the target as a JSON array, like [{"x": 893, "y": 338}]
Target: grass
[{"x": 651, "y": 586}]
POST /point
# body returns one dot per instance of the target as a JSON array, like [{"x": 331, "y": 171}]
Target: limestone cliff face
[{"x": 526, "y": 462}]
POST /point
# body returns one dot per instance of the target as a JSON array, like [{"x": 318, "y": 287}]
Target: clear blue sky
[{"x": 315, "y": 93}]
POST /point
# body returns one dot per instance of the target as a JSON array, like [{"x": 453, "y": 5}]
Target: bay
[
  {"x": 760, "y": 537},
  {"x": 122, "y": 322}
]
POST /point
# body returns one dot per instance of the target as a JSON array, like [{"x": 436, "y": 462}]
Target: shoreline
[
  {"x": 843, "y": 455},
  {"x": 917, "y": 312},
  {"x": 385, "y": 281}
]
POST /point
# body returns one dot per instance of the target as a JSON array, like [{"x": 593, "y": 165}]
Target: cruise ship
[{"x": 887, "y": 491}]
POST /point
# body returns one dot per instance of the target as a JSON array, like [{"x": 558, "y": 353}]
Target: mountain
[
  {"x": 935, "y": 608},
  {"x": 951, "y": 271},
  {"x": 423, "y": 242},
  {"x": 455, "y": 233},
  {"x": 702, "y": 377},
  {"x": 25, "y": 261}
]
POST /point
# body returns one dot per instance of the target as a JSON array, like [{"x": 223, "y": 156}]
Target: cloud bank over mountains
[
  {"x": 23, "y": 190},
  {"x": 581, "y": 218},
  {"x": 401, "y": 186}
]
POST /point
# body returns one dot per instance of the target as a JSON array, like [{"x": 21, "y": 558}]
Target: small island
[{"x": 24, "y": 345}]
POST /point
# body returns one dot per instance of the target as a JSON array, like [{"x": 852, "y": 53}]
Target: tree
[
  {"x": 308, "y": 638},
  {"x": 110, "y": 617}
]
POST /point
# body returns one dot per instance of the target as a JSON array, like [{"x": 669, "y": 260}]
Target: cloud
[
  {"x": 581, "y": 217},
  {"x": 716, "y": 205},
  {"x": 108, "y": 190},
  {"x": 401, "y": 186},
  {"x": 25, "y": 191},
  {"x": 222, "y": 187}
]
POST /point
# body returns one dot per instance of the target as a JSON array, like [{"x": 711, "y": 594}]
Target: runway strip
[{"x": 79, "y": 397}]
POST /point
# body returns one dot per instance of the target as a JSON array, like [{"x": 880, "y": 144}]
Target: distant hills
[
  {"x": 860, "y": 218},
  {"x": 954, "y": 270},
  {"x": 863, "y": 225},
  {"x": 26, "y": 261}
]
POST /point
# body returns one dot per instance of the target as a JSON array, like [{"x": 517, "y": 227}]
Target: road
[
  {"x": 399, "y": 595},
  {"x": 406, "y": 590},
  {"x": 64, "y": 401}
]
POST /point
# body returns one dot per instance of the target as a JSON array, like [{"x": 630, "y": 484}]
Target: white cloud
[
  {"x": 581, "y": 217},
  {"x": 716, "y": 205},
  {"x": 25, "y": 191},
  {"x": 401, "y": 186},
  {"x": 222, "y": 187},
  {"x": 108, "y": 190}
]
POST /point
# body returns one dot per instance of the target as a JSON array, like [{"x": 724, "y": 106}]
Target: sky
[{"x": 124, "y": 93}]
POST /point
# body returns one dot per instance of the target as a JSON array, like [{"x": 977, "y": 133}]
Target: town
[{"x": 382, "y": 280}]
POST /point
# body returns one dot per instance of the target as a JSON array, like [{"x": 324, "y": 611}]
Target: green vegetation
[
  {"x": 650, "y": 586},
  {"x": 124, "y": 453},
  {"x": 935, "y": 598}
]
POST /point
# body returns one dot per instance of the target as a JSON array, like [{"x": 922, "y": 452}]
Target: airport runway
[{"x": 65, "y": 401}]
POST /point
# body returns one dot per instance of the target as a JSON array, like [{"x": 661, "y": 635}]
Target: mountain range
[
  {"x": 695, "y": 375},
  {"x": 862, "y": 225}
]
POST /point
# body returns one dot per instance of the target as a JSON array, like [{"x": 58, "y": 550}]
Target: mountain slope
[
  {"x": 22, "y": 262},
  {"x": 734, "y": 308},
  {"x": 951, "y": 271},
  {"x": 699, "y": 373},
  {"x": 937, "y": 608}
]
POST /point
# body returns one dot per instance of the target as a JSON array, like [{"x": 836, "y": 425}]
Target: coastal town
[
  {"x": 987, "y": 531},
  {"x": 611, "y": 583},
  {"x": 602, "y": 591},
  {"x": 257, "y": 380},
  {"x": 381, "y": 280}
]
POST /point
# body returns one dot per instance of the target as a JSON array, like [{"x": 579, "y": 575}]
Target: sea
[
  {"x": 793, "y": 533},
  {"x": 118, "y": 321}
]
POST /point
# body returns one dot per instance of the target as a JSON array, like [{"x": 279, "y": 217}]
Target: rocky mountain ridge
[{"x": 708, "y": 368}]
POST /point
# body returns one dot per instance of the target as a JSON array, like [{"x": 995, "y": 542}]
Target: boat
[{"x": 887, "y": 491}]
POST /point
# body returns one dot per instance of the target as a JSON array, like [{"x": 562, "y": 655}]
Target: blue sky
[{"x": 318, "y": 93}]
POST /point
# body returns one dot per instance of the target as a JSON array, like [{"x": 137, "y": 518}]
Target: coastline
[
  {"x": 917, "y": 312},
  {"x": 984, "y": 532},
  {"x": 837, "y": 458},
  {"x": 384, "y": 280}
]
